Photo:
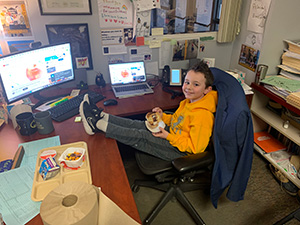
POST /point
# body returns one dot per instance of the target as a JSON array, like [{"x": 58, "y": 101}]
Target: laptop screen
[{"x": 126, "y": 73}]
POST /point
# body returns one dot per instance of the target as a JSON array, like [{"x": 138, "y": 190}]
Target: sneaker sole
[{"x": 86, "y": 125}]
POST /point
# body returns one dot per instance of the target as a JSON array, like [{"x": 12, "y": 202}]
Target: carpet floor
[{"x": 265, "y": 200}]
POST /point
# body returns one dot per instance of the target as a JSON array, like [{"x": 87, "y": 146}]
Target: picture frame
[
  {"x": 78, "y": 36},
  {"x": 65, "y": 7},
  {"x": 249, "y": 57}
]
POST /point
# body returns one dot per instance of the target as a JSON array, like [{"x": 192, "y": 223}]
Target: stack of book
[
  {"x": 294, "y": 99},
  {"x": 290, "y": 60},
  {"x": 287, "y": 83}
]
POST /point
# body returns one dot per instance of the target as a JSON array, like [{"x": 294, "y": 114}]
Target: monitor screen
[
  {"x": 175, "y": 78},
  {"x": 28, "y": 72},
  {"x": 128, "y": 72}
]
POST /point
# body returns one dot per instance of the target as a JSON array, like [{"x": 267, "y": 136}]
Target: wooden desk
[
  {"x": 106, "y": 164},
  {"x": 139, "y": 104}
]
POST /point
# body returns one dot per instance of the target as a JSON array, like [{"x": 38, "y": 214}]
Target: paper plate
[{"x": 155, "y": 130}]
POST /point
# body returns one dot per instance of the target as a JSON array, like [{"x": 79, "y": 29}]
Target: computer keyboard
[
  {"x": 70, "y": 108},
  {"x": 131, "y": 88}
]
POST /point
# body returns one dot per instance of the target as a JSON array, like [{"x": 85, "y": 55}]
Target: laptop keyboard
[{"x": 131, "y": 88}]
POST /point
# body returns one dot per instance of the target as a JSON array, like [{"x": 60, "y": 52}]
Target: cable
[{"x": 174, "y": 93}]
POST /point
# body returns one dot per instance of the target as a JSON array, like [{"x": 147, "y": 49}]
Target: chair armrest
[{"x": 195, "y": 161}]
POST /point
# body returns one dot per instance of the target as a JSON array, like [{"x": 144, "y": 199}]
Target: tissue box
[{"x": 239, "y": 75}]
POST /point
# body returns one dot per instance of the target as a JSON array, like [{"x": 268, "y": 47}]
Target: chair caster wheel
[{"x": 135, "y": 188}]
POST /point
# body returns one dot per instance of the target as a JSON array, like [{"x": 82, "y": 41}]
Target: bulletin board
[{"x": 78, "y": 36}]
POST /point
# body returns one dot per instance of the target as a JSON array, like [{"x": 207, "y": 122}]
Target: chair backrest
[{"x": 233, "y": 139}]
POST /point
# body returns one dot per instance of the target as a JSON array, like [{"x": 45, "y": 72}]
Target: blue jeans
[{"x": 135, "y": 134}]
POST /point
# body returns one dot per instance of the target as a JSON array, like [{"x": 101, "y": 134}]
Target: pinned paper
[
  {"x": 140, "y": 41},
  {"x": 154, "y": 43},
  {"x": 157, "y": 31}
]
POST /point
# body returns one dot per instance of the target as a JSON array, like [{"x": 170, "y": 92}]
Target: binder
[{"x": 267, "y": 142}]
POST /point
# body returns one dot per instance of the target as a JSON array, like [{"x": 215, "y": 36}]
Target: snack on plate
[
  {"x": 48, "y": 168},
  {"x": 73, "y": 156},
  {"x": 153, "y": 119}
]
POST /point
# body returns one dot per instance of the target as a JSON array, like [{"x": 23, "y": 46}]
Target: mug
[
  {"x": 44, "y": 122},
  {"x": 26, "y": 123}
]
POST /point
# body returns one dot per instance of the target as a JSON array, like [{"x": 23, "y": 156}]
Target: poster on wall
[
  {"x": 143, "y": 20},
  {"x": 112, "y": 37},
  {"x": 14, "y": 19},
  {"x": 185, "y": 49},
  {"x": 115, "y": 13},
  {"x": 258, "y": 13},
  {"x": 15, "y": 46},
  {"x": 78, "y": 36},
  {"x": 249, "y": 57}
]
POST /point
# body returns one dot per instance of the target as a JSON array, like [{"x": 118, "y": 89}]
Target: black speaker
[{"x": 100, "y": 82}]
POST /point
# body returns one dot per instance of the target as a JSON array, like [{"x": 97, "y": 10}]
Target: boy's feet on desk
[{"x": 90, "y": 115}]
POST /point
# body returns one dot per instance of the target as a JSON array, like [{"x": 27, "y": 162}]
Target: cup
[
  {"x": 26, "y": 123},
  {"x": 44, "y": 122}
]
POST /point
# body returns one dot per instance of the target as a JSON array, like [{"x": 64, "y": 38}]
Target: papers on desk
[
  {"x": 281, "y": 86},
  {"x": 16, "y": 205}
]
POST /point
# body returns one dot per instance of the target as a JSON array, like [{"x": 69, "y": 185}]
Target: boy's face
[{"x": 194, "y": 86}]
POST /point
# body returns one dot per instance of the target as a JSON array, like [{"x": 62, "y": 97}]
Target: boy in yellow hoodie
[{"x": 188, "y": 130}]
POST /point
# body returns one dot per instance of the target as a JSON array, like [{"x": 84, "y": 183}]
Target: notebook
[{"x": 129, "y": 79}]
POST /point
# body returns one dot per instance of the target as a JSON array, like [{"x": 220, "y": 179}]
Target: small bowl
[{"x": 72, "y": 163}]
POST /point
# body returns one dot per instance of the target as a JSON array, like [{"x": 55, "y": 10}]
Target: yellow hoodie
[{"x": 192, "y": 124}]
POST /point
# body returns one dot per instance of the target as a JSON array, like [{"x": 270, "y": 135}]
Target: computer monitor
[{"x": 28, "y": 72}]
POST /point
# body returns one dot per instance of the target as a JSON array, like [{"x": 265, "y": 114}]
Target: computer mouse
[{"x": 110, "y": 102}]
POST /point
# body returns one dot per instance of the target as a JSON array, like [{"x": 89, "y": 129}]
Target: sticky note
[
  {"x": 140, "y": 41},
  {"x": 77, "y": 119}
]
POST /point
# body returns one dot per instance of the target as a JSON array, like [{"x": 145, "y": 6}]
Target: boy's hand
[
  {"x": 158, "y": 110},
  {"x": 162, "y": 134}
]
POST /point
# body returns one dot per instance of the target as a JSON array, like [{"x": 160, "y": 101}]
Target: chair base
[
  {"x": 172, "y": 190},
  {"x": 293, "y": 215}
]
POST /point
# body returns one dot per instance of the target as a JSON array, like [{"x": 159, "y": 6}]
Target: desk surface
[{"x": 106, "y": 164}]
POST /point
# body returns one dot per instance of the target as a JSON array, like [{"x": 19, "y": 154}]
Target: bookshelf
[{"x": 263, "y": 117}]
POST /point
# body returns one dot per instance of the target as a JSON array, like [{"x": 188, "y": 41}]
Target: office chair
[
  {"x": 225, "y": 163},
  {"x": 293, "y": 215}
]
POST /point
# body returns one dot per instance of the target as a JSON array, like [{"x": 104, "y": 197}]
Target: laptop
[{"x": 128, "y": 79}]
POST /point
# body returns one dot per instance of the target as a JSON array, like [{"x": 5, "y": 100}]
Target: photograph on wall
[
  {"x": 185, "y": 49},
  {"x": 14, "y": 19},
  {"x": 249, "y": 57},
  {"x": 129, "y": 38},
  {"x": 78, "y": 36}
]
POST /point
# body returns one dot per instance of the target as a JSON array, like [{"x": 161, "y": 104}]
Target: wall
[
  {"x": 282, "y": 23},
  {"x": 222, "y": 52}
]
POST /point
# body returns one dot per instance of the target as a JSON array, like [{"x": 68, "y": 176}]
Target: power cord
[{"x": 174, "y": 93}]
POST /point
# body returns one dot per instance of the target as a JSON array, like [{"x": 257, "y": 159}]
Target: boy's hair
[{"x": 202, "y": 67}]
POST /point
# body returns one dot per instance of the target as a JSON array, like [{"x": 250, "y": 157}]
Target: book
[
  {"x": 267, "y": 142},
  {"x": 293, "y": 46},
  {"x": 291, "y": 59},
  {"x": 289, "y": 69}
]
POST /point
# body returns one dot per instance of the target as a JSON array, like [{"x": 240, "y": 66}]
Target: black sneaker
[
  {"x": 89, "y": 117},
  {"x": 94, "y": 107}
]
